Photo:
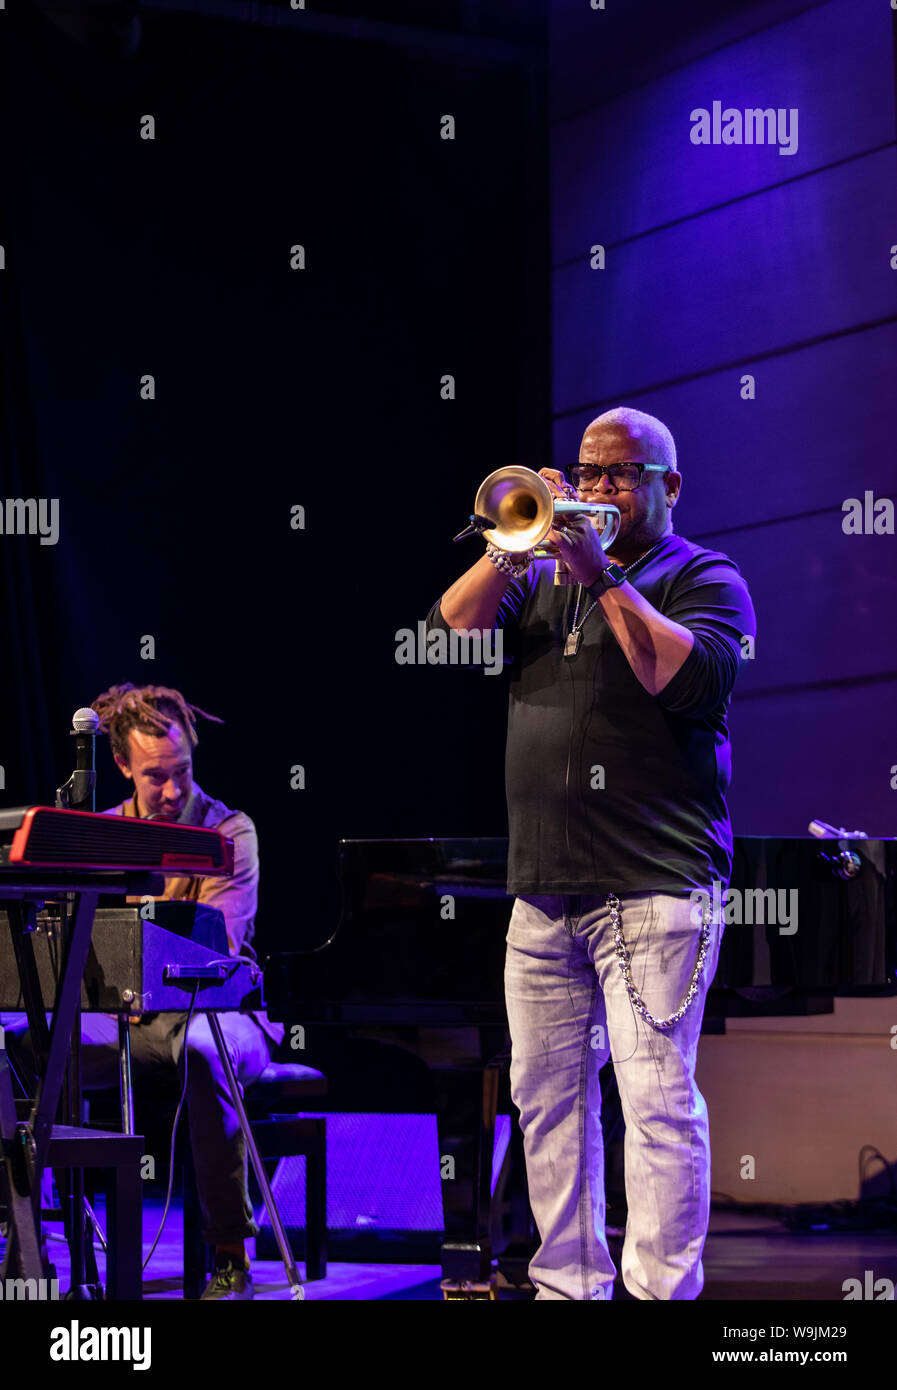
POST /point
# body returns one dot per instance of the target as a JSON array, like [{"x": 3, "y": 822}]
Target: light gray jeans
[{"x": 569, "y": 1011}]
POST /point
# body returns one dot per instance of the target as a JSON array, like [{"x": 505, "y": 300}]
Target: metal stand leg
[
  {"x": 297, "y": 1289},
  {"x": 84, "y": 1277},
  {"x": 22, "y": 1250},
  {"x": 34, "y": 1136},
  {"x": 124, "y": 1074},
  {"x": 65, "y": 1020}
]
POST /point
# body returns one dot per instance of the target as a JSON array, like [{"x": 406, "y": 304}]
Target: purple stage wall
[{"x": 728, "y": 260}]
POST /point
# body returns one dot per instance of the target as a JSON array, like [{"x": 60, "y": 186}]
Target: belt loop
[{"x": 572, "y": 905}]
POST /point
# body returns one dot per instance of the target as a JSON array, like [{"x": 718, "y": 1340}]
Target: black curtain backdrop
[
  {"x": 319, "y": 388},
  {"x": 275, "y": 388}
]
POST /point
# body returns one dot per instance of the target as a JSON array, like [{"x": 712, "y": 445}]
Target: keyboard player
[{"x": 152, "y": 733}]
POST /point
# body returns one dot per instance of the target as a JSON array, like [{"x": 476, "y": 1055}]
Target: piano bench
[
  {"x": 281, "y": 1082},
  {"x": 120, "y": 1155},
  {"x": 281, "y": 1086}
]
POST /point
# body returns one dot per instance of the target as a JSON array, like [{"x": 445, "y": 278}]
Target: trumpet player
[{"x": 618, "y": 763}]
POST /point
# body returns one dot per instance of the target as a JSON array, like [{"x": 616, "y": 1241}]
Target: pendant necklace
[{"x": 574, "y": 636}]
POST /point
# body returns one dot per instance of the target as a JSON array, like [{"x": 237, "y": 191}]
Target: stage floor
[{"x": 747, "y": 1258}]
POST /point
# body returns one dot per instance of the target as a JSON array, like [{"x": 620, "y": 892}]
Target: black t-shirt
[{"x": 610, "y": 788}]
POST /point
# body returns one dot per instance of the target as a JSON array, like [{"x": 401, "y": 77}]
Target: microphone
[
  {"x": 478, "y": 524},
  {"x": 79, "y": 792},
  {"x": 823, "y": 831}
]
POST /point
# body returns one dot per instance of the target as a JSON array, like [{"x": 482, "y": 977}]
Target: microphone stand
[{"x": 78, "y": 794}]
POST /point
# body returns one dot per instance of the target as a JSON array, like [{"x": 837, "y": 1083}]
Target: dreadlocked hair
[{"x": 150, "y": 708}]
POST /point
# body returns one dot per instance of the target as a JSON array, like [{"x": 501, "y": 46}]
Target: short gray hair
[{"x": 654, "y": 433}]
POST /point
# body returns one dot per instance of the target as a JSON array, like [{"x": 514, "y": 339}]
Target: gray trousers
[
  {"x": 569, "y": 1011},
  {"x": 219, "y": 1150}
]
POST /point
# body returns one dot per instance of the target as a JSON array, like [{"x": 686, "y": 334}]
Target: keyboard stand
[{"x": 26, "y": 1143}]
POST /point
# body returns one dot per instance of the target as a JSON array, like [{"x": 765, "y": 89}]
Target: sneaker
[{"x": 228, "y": 1282}]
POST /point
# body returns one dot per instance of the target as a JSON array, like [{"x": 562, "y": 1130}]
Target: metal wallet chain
[{"x": 623, "y": 957}]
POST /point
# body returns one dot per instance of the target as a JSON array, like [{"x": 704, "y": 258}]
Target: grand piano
[{"x": 421, "y": 944}]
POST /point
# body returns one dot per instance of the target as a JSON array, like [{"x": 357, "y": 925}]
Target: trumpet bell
[
  {"x": 524, "y": 509},
  {"x": 520, "y": 504}
]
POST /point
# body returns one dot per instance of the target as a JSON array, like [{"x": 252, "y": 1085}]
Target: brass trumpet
[{"x": 515, "y": 509}]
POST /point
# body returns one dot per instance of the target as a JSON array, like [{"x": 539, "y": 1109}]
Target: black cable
[
  {"x": 53, "y": 952},
  {"x": 174, "y": 1130},
  {"x": 26, "y": 1090}
]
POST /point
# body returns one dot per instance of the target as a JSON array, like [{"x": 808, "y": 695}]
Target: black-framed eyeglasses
[{"x": 624, "y": 477}]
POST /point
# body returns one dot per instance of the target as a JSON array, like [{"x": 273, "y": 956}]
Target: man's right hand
[{"x": 558, "y": 484}]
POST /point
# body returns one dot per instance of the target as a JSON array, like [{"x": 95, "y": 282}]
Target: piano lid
[{"x": 422, "y": 933}]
